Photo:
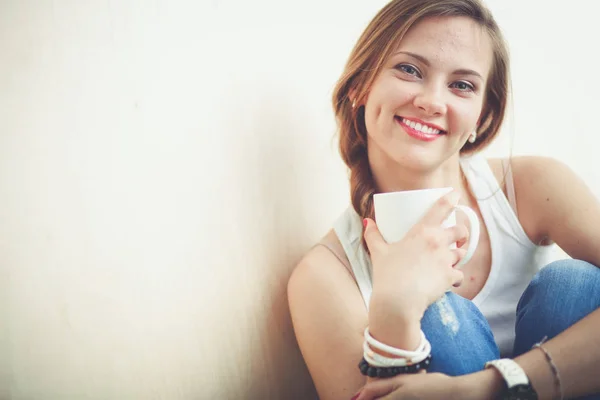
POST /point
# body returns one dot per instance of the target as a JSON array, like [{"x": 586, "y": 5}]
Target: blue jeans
[{"x": 560, "y": 294}]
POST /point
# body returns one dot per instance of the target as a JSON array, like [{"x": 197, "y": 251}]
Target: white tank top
[{"x": 515, "y": 259}]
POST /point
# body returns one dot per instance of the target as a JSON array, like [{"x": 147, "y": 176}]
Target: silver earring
[
  {"x": 354, "y": 103},
  {"x": 472, "y": 137}
]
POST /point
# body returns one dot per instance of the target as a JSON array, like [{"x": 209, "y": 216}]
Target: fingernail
[{"x": 365, "y": 223}]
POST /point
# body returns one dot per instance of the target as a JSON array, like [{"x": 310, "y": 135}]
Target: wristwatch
[{"x": 517, "y": 382}]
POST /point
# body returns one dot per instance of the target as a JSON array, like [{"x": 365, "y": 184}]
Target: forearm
[
  {"x": 397, "y": 329},
  {"x": 575, "y": 352}
]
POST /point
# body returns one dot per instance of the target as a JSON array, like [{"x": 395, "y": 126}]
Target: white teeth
[{"x": 423, "y": 128}]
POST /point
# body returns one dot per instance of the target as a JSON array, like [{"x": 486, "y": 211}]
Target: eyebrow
[{"x": 427, "y": 63}]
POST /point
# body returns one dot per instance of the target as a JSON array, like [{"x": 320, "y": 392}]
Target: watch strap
[{"x": 512, "y": 372}]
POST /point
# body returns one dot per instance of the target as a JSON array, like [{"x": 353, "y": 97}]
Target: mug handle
[{"x": 473, "y": 233}]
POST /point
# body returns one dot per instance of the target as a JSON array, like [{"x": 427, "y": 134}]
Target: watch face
[{"x": 521, "y": 392}]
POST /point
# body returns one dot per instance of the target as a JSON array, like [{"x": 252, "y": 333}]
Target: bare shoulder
[
  {"x": 320, "y": 263},
  {"x": 532, "y": 169},
  {"x": 321, "y": 278},
  {"x": 527, "y": 170},
  {"x": 542, "y": 186},
  {"x": 541, "y": 182},
  {"x": 328, "y": 316}
]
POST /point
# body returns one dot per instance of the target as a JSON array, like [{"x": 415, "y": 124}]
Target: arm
[
  {"x": 328, "y": 312},
  {"x": 556, "y": 206},
  {"x": 329, "y": 316},
  {"x": 576, "y": 353}
]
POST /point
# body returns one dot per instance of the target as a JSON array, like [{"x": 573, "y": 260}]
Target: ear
[{"x": 352, "y": 95}]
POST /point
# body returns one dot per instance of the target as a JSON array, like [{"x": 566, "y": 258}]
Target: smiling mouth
[{"x": 420, "y": 127}]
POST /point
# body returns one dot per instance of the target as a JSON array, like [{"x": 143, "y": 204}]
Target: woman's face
[{"x": 428, "y": 97}]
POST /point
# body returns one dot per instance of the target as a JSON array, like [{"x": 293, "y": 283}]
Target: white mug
[{"x": 397, "y": 212}]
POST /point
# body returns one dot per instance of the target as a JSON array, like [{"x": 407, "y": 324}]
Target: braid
[
  {"x": 362, "y": 187},
  {"x": 374, "y": 47},
  {"x": 354, "y": 154}
]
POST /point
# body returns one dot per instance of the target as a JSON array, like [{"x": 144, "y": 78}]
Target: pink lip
[{"x": 426, "y": 137}]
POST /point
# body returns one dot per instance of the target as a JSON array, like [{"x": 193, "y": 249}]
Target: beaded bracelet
[
  {"x": 387, "y": 372},
  {"x": 374, "y": 364}
]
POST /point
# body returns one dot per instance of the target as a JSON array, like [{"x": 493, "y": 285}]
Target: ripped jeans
[{"x": 461, "y": 338}]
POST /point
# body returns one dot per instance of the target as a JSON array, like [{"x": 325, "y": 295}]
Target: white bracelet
[
  {"x": 423, "y": 349},
  {"x": 377, "y": 360}
]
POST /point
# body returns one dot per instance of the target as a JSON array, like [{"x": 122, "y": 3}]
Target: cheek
[
  {"x": 399, "y": 94},
  {"x": 371, "y": 113},
  {"x": 373, "y": 110},
  {"x": 385, "y": 102},
  {"x": 464, "y": 117}
]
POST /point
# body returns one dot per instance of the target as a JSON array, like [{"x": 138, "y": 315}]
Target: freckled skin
[{"x": 428, "y": 93}]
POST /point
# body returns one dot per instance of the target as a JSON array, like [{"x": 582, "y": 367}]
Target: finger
[
  {"x": 457, "y": 277},
  {"x": 375, "y": 242},
  {"x": 457, "y": 255},
  {"x": 441, "y": 209},
  {"x": 458, "y": 234},
  {"x": 379, "y": 388}
]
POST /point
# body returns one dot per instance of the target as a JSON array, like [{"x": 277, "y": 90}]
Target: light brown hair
[{"x": 381, "y": 37}]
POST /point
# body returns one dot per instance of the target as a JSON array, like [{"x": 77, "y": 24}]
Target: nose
[{"x": 430, "y": 100}]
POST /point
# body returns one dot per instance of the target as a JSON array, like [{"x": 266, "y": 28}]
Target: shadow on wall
[{"x": 271, "y": 157}]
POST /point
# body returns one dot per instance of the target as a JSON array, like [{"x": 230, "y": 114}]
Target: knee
[
  {"x": 559, "y": 295},
  {"x": 564, "y": 274},
  {"x": 453, "y": 325},
  {"x": 568, "y": 266},
  {"x": 453, "y": 312},
  {"x": 560, "y": 281}
]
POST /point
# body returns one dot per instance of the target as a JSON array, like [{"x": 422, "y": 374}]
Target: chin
[
  {"x": 418, "y": 164},
  {"x": 418, "y": 160}
]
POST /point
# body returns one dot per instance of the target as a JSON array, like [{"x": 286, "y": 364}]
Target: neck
[{"x": 391, "y": 177}]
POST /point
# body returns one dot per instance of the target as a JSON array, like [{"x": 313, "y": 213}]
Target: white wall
[
  {"x": 555, "y": 80},
  {"x": 163, "y": 165}
]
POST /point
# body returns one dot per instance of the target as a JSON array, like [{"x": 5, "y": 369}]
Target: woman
[{"x": 424, "y": 90}]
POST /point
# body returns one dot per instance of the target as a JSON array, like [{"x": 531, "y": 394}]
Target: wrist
[
  {"x": 405, "y": 293},
  {"x": 483, "y": 385},
  {"x": 399, "y": 332},
  {"x": 396, "y": 308},
  {"x": 394, "y": 322}
]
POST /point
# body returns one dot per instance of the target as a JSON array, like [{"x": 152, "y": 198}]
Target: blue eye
[
  {"x": 408, "y": 69},
  {"x": 463, "y": 86}
]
